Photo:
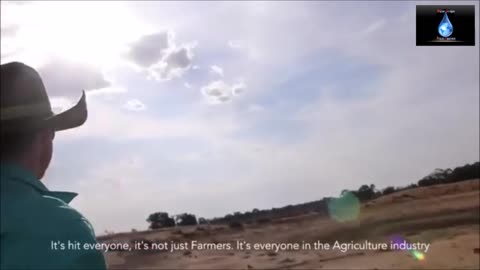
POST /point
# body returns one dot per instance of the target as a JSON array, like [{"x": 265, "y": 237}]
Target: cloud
[
  {"x": 187, "y": 85},
  {"x": 218, "y": 92},
  {"x": 180, "y": 58},
  {"x": 161, "y": 57},
  {"x": 150, "y": 49},
  {"x": 217, "y": 70},
  {"x": 216, "y": 89},
  {"x": 174, "y": 64},
  {"x": 238, "y": 88},
  {"x": 135, "y": 105},
  {"x": 224, "y": 99},
  {"x": 63, "y": 78}
]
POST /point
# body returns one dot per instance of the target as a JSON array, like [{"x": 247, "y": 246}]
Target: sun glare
[{"x": 89, "y": 31}]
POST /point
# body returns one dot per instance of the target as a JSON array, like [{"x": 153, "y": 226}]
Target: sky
[{"x": 215, "y": 107}]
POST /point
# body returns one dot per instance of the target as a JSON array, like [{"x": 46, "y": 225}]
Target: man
[{"x": 38, "y": 230}]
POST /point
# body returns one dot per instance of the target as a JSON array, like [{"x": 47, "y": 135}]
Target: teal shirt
[{"x": 33, "y": 219}]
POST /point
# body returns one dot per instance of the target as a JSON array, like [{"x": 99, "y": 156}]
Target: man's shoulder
[
  {"x": 59, "y": 214},
  {"x": 33, "y": 210},
  {"x": 36, "y": 226}
]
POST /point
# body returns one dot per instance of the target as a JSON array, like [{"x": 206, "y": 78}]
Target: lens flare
[
  {"x": 418, "y": 255},
  {"x": 398, "y": 239},
  {"x": 344, "y": 209}
]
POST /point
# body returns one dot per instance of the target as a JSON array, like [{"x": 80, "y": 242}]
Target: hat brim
[{"x": 71, "y": 118}]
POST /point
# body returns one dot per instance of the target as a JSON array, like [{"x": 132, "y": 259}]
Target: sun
[{"x": 92, "y": 32}]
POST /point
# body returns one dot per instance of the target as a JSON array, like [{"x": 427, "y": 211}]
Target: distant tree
[
  {"x": 466, "y": 172},
  {"x": 215, "y": 220},
  {"x": 202, "y": 221},
  {"x": 247, "y": 216},
  {"x": 388, "y": 190},
  {"x": 440, "y": 176},
  {"x": 160, "y": 220},
  {"x": 185, "y": 219},
  {"x": 411, "y": 186},
  {"x": 366, "y": 193},
  {"x": 228, "y": 217}
]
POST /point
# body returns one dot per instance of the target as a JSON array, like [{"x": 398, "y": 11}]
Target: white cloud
[
  {"x": 161, "y": 57},
  {"x": 217, "y": 70},
  {"x": 179, "y": 58},
  {"x": 173, "y": 65},
  {"x": 216, "y": 89},
  {"x": 218, "y": 92},
  {"x": 135, "y": 105},
  {"x": 63, "y": 78},
  {"x": 150, "y": 49},
  {"x": 238, "y": 88},
  {"x": 187, "y": 85}
]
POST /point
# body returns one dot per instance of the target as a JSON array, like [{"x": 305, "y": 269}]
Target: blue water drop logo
[{"x": 445, "y": 29}]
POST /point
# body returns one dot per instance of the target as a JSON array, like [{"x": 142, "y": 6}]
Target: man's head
[
  {"x": 34, "y": 150},
  {"x": 28, "y": 124}
]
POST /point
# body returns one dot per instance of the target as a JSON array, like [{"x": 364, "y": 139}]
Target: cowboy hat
[{"x": 25, "y": 106}]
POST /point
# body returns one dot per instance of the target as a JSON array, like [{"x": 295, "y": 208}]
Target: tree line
[{"x": 364, "y": 193}]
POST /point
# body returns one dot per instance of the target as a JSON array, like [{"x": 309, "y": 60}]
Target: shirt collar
[{"x": 19, "y": 173}]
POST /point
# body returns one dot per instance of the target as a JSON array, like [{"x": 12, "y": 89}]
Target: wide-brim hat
[{"x": 25, "y": 106}]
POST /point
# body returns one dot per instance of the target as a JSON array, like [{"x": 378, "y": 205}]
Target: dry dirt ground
[{"x": 445, "y": 216}]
